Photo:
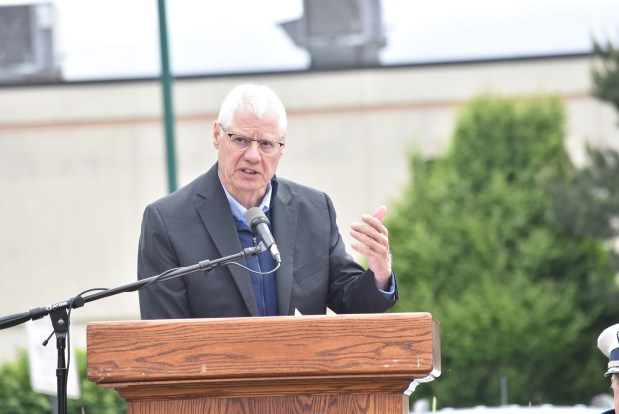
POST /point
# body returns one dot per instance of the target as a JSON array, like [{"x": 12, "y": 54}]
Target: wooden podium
[{"x": 286, "y": 364}]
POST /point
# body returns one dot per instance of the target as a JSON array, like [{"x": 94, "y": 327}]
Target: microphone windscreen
[{"x": 254, "y": 217}]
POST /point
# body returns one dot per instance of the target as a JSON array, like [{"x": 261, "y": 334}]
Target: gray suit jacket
[{"x": 195, "y": 223}]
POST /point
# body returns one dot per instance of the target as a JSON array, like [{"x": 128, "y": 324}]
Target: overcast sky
[{"x": 119, "y": 38}]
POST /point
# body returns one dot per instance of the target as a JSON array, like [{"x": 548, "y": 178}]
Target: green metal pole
[{"x": 166, "y": 84}]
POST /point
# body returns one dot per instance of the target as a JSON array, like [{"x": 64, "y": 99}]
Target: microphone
[{"x": 259, "y": 224}]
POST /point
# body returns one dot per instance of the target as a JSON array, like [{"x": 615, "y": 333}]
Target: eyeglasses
[{"x": 241, "y": 143}]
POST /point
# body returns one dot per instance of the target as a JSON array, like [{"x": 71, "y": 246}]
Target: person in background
[
  {"x": 608, "y": 343},
  {"x": 207, "y": 219}
]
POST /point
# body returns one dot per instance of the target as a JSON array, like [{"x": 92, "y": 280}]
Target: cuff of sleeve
[{"x": 389, "y": 294}]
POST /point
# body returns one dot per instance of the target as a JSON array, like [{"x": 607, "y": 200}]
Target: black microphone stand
[{"x": 60, "y": 319}]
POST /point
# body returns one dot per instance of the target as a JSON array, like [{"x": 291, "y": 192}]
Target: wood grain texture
[
  {"x": 327, "y": 361},
  {"x": 323, "y": 404}
]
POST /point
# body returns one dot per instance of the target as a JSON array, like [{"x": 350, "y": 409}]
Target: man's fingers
[
  {"x": 374, "y": 225},
  {"x": 376, "y": 242},
  {"x": 380, "y": 213},
  {"x": 372, "y": 229},
  {"x": 372, "y": 240}
]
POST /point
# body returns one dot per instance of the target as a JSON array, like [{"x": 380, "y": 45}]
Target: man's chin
[{"x": 251, "y": 186}]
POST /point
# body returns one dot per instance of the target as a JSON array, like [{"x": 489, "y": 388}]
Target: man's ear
[{"x": 216, "y": 135}]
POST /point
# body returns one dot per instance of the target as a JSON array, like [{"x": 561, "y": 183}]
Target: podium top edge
[{"x": 262, "y": 319}]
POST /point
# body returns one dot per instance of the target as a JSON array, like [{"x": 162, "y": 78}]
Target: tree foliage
[
  {"x": 476, "y": 243},
  {"x": 598, "y": 180},
  {"x": 598, "y": 184},
  {"x": 17, "y": 396},
  {"x": 606, "y": 76}
]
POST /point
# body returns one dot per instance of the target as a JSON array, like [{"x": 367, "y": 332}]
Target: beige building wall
[{"x": 78, "y": 163}]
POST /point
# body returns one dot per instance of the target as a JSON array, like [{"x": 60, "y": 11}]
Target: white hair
[{"x": 259, "y": 100}]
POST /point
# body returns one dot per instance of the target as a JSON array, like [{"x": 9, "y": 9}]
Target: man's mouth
[{"x": 248, "y": 171}]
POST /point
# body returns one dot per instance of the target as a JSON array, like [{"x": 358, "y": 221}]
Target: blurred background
[{"x": 370, "y": 86}]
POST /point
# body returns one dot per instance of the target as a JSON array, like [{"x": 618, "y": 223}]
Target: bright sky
[{"x": 119, "y": 38}]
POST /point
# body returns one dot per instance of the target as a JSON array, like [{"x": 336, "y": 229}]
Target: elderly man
[
  {"x": 206, "y": 219},
  {"x": 608, "y": 342}
]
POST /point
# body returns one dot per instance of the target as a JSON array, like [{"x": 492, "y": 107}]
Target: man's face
[{"x": 246, "y": 173}]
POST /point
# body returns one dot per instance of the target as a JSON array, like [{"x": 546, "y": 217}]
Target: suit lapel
[
  {"x": 215, "y": 213},
  {"x": 284, "y": 232}
]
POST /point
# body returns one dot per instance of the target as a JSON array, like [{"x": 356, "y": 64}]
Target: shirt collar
[{"x": 238, "y": 211}]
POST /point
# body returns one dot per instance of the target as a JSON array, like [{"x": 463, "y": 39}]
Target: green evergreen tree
[
  {"x": 476, "y": 243},
  {"x": 598, "y": 182},
  {"x": 588, "y": 204},
  {"x": 606, "y": 74}
]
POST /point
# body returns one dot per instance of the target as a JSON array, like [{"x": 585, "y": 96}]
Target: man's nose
[{"x": 253, "y": 152}]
